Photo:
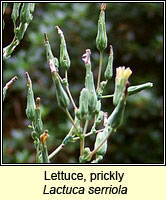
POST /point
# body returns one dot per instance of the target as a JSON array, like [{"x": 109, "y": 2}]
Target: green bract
[
  {"x": 101, "y": 39},
  {"x": 64, "y": 56},
  {"x": 30, "y": 109},
  {"x": 49, "y": 53}
]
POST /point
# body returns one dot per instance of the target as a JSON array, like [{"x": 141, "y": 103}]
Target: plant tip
[
  {"x": 28, "y": 79},
  {"x": 45, "y": 37},
  {"x": 38, "y": 103},
  {"x": 86, "y": 56},
  {"x": 111, "y": 50},
  {"x": 103, "y": 6},
  {"x": 44, "y": 136}
]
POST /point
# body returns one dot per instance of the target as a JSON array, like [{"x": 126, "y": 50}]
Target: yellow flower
[
  {"x": 122, "y": 76},
  {"x": 123, "y": 73}
]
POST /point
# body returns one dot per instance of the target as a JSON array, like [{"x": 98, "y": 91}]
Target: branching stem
[
  {"x": 56, "y": 151},
  {"x": 82, "y": 139},
  {"x": 100, "y": 68},
  {"x": 107, "y": 96},
  {"x": 71, "y": 119},
  {"x": 61, "y": 146},
  {"x": 69, "y": 93}
]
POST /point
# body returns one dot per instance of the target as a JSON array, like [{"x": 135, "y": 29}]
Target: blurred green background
[{"x": 136, "y": 32}]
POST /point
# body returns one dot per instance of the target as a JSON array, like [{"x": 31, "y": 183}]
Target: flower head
[
  {"x": 123, "y": 73},
  {"x": 122, "y": 76}
]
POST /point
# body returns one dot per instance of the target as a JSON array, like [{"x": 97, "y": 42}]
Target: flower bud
[
  {"x": 101, "y": 39},
  {"x": 99, "y": 139},
  {"x": 138, "y": 88},
  {"x": 8, "y": 85},
  {"x": 83, "y": 103},
  {"x": 109, "y": 70},
  {"x": 64, "y": 56},
  {"x": 89, "y": 82},
  {"x": 84, "y": 158},
  {"x": 98, "y": 107},
  {"x": 61, "y": 95},
  {"x": 49, "y": 53},
  {"x": 121, "y": 79},
  {"x": 92, "y": 101},
  {"x": 30, "y": 109}
]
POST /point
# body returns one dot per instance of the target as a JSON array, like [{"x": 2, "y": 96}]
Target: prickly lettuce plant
[
  {"x": 21, "y": 16},
  {"x": 90, "y": 100},
  {"x": 89, "y": 113}
]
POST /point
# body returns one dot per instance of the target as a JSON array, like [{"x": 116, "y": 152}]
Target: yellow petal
[{"x": 127, "y": 73}]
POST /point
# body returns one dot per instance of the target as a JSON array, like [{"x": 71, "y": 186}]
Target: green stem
[
  {"x": 60, "y": 147},
  {"x": 69, "y": 93},
  {"x": 85, "y": 127},
  {"x": 88, "y": 134},
  {"x": 82, "y": 142},
  {"x": 4, "y": 93},
  {"x": 82, "y": 138},
  {"x": 45, "y": 153},
  {"x": 107, "y": 96},
  {"x": 56, "y": 151},
  {"x": 100, "y": 68},
  {"x": 71, "y": 119}
]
